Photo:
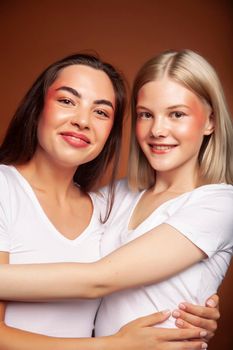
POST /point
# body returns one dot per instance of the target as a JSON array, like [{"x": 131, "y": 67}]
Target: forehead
[
  {"x": 85, "y": 79},
  {"x": 167, "y": 91},
  {"x": 162, "y": 86}
]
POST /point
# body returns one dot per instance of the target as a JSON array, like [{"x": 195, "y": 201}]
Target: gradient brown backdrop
[{"x": 126, "y": 33}]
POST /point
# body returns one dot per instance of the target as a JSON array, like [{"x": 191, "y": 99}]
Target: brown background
[{"x": 126, "y": 33}]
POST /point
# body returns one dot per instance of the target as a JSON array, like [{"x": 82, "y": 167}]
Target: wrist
[{"x": 112, "y": 342}]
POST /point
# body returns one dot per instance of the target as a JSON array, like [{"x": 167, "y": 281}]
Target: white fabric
[
  {"x": 28, "y": 235},
  {"x": 205, "y": 217}
]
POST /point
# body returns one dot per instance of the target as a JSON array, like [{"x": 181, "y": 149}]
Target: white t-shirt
[
  {"x": 28, "y": 235},
  {"x": 204, "y": 216}
]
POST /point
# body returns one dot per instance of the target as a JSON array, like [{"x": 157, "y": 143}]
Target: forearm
[
  {"x": 47, "y": 281},
  {"x": 120, "y": 270},
  {"x": 15, "y": 339}
]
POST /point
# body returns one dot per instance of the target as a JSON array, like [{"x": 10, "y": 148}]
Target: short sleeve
[
  {"x": 100, "y": 199},
  {"x": 4, "y": 221},
  {"x": 121, "y": 189},
  {"x": 123, "y": 200},
  {"x": 206, "y": 218}
]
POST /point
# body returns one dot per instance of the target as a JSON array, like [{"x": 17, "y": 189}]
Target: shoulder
[
  {"x": 123, "y": 197},
  {"x": 214, "y": 196},
  {"x": 6, "y": 176},
  {"x": 122, "y": 191},
  {"x": 11, "y": 185},
  {"x": 6, "y": 186},
  {"x": 122, "y": 188},
  {"x": 7, "y": 171},
  {"x": 205, "y": 216},
  {"x": 206, "y": 200},
  {"x": 9, "y": 178}
]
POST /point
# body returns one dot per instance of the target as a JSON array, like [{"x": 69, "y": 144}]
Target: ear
[{"x": 210, "y": 124}]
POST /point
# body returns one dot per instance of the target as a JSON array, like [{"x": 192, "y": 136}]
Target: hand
[
  {"x": 189, "y": 316},
  {"x": 140, "y": 335}
]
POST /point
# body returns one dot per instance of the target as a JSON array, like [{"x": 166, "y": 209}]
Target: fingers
[
  {"x": 213, "y": 301},
  {"x": 153, "y": 319},
  {"x": 183, "y": 324},
  {"x": 186, "y": 345},
  {"x": 171, "y": 334},
  {"x": 184, "y": 320},
  {"x": 210, "y": 313},
  {"x": 151, "y": 338}
]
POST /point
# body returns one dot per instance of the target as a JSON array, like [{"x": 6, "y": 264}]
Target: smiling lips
[
  {"x": 75, "y": 139},
  {"x": 161, "y": 149}
]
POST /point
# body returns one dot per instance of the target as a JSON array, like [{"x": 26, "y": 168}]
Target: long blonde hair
[{"x": 196, "y": 74}]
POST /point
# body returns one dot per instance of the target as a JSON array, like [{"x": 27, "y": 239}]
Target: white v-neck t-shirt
[
  {"x": 29, "y": 237},
  {"x": 205, "y": 216}
]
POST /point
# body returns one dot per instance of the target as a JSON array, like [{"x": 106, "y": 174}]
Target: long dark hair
[{"x": 20, "y": 142}]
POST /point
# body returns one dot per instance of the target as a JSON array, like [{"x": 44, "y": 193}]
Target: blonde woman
[
  {"x": 178, "y": 214},
  {"x": 177, "y": 229}
]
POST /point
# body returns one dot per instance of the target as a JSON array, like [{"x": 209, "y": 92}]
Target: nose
[
  {"x": 159, "y": 127},
  {"x": 81, "y": 119}
]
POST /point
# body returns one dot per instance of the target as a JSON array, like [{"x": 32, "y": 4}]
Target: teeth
[
  {"x": 77, "y": 138},
  {"x": 161, "y": 147}
]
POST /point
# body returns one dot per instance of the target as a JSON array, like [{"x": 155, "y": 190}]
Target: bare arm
[
  {"x": 16, "y": 286},
  {"x": 137, "y": 335},
  {"x": 112, "y": 273},
  {"x": 15, "y": 339}
]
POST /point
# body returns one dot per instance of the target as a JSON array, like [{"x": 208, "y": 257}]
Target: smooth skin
[
  {"x": 75, "y": 124},
  {"x": 106, "y": 276}
]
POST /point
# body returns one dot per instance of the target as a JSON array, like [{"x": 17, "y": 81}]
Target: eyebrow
[
  {"x": 69, "y": 89},
  {"x": 142, "y": 107},
  {"x": 104, "y": 102},
  {"x": 77, "y": 94},
  {"x": 177, "y": 106}
]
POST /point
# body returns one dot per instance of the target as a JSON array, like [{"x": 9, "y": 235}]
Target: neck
[
  {"x": 178, "y": 180},
  {"x": 46, "y": 177}
]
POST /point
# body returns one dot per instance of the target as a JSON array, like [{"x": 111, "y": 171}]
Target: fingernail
[
  {"x": 182, "y": 306},
  {"x": 203, "y": 334},
  {"x": 166, "y": 312},
  {"x": 176, "y": 313},
  {"x": 204, "y": 346},
  {"x": 211, "y": 303},
  {"x": 179, "y": 322}
]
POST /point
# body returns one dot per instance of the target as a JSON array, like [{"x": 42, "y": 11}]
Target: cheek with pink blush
[{"x": 142, "y": 130}]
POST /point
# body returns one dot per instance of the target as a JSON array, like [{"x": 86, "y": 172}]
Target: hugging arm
[
  {"x": 63, "y": 280},
  {"x": 172, "y": 247},
  {"x": 137, "y": 335},
  {"x": 113, "y": 273},
  {"x": 168, "y": 247}
]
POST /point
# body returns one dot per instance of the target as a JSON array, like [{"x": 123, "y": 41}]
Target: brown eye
[
  {"x": 144, "y": 115},
  {"x": 102, "y": 113},
  {"x": 177, "y": 115},
  {"x": 66, "y": 101}
]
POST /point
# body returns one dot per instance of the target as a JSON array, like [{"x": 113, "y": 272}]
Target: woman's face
[
  {"x": 171, "y": 124},
  {"x": 77, "y": 117}
]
